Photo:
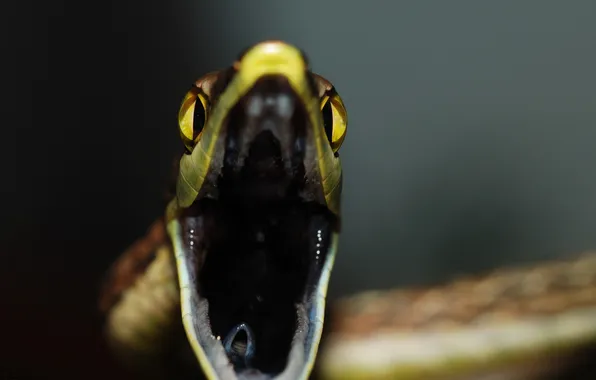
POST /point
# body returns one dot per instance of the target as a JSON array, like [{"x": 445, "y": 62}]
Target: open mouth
[{"x": 255, "y": 260}]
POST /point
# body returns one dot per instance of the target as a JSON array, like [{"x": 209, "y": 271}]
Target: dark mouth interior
[
  {"x": 262, "y": 262},
  {"x": 263, "y": 245},
  {"x": 262, "y": 259}
]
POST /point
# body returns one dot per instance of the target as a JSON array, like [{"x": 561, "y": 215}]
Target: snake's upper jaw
[{"x": 251, "y": 315}]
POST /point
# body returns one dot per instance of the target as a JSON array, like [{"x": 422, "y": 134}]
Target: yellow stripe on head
[{"x": 264, "y": 59}]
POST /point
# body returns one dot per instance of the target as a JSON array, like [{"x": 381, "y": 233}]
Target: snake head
[{"x": 256, "y": 217}]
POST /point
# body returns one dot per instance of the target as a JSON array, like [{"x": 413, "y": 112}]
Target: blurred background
[{"x": 470, "y": 143}]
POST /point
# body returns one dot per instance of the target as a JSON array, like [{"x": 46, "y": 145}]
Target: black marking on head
[{"x": 266, "y": 133}]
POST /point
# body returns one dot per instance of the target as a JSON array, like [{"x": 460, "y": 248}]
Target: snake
[{"x": 231, "y": 283}]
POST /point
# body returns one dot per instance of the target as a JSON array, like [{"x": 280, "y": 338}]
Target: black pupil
[
  {"x": 198, "y": 119},
  {"x": 328, "y": 120}
]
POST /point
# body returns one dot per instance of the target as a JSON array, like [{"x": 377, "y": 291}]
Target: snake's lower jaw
[{"x": 263, "y": 317}]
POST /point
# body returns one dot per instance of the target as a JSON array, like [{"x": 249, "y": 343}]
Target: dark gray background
[{"x": 470, "y": 142}]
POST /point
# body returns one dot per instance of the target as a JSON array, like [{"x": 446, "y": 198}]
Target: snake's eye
[
  {"x": 192, "y": 116},
  {"x": 335, "y": 119}
]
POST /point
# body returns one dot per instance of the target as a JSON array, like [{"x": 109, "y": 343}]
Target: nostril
[{"x": 240, "y": 345}]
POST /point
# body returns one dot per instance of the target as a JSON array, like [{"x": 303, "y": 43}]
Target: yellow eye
[
  {"x": 335, "y": 119},
  {"x": 192, "y": 116}
]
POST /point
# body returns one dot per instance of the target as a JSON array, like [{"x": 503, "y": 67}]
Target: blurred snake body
[{"x": 235, "y": 275}]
